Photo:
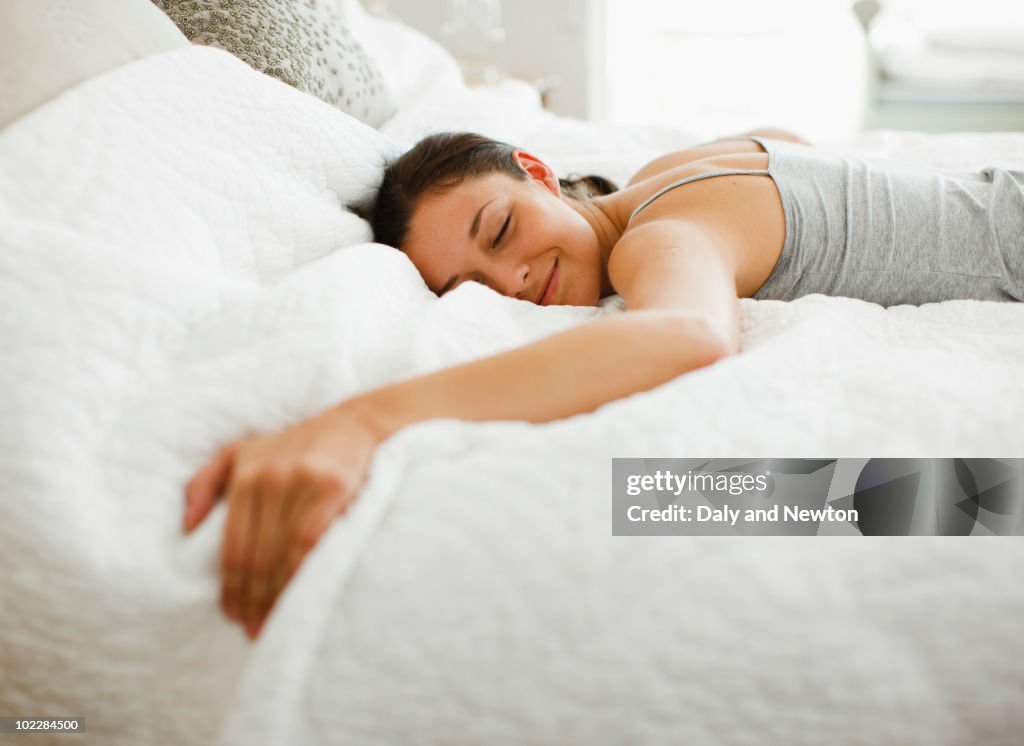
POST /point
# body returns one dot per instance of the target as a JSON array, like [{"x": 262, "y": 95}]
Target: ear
[{"x": 539, "y": 171}]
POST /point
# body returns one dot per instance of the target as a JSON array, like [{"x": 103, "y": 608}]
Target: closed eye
[{"x": 504, "y": 227}]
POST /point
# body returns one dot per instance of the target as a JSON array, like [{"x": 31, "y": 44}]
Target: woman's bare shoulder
[
  {"x": 679, "y": 158},
  {"x": 734, "y": 145},
  {"x": 744, "y": 214},
  {"x": 622, "y": 204}
]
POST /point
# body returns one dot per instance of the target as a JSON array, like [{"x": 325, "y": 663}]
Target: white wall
[
  {"x": 543, "y": 38},
  {"x": 707, "y": 67},
  {"x": 714, "y": 68}
]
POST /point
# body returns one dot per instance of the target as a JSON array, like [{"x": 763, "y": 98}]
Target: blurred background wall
[{"x": 824, "y": 68}]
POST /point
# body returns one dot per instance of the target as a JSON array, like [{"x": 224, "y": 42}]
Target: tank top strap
[{"x": 697, "y": 177}]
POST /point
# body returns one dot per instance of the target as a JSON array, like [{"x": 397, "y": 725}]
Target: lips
[{"x": 550, "y": 286}]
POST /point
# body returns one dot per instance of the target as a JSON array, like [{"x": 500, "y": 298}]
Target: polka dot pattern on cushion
[{"x": 305, "y": 43}]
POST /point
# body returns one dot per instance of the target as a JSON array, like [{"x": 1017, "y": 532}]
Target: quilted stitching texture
[{"x": 174, "y": 230}]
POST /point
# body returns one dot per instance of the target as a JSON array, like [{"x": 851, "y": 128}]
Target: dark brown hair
[{"x": 442, "y": 161}]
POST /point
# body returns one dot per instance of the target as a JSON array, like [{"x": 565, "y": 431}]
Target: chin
[
  {"x": 580, "y": 288},
  {"x": 591, "y": 300}
]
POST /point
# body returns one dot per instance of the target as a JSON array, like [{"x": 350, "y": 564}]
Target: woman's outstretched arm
[{"x": 284, "y": 489}]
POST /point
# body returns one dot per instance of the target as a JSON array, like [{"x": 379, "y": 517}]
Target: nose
[{"x": 515, "y": 278}]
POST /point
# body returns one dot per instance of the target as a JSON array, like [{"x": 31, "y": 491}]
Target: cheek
[
  {"x": 581, "y": 256},
  {"x": 540, "y": 230},
  {"x": 556, "y": 225},
  {"x": 568, "y": 229}
]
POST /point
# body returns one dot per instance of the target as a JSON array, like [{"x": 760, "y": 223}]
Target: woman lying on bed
[{"x": 759, "y": 216}]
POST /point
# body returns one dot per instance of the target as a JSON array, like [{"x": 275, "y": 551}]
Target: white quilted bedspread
[{"x": 177, "y": 269}]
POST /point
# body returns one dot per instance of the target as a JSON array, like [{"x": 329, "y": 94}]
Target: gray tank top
[{"x": 890, "y": 232}]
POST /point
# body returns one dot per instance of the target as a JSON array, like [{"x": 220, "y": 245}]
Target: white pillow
[
  {"x": 305, "y": 43},
  {"x": 413, "y": 64},
  {"x": 47, "y": 47}
]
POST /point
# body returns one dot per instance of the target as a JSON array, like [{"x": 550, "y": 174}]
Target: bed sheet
[{"x": 178, "y": 269}]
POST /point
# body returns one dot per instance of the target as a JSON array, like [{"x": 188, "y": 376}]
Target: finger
[
  {"x": 205, "y": 488},
  {"x": 281, "y": 570},
  {"x": 271, "y": 497},
  {"x": 252, "y": 562},
  {"x": 307, "y": 529},
  {"x": 233, "y": 547}
]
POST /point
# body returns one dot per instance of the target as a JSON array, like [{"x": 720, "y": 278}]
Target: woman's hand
[{"x": 283, "y": 490}]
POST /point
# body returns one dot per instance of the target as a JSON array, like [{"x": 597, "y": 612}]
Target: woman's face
[{"x": 517, "y": 236}]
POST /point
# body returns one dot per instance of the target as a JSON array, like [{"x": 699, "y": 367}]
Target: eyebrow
[{"x": 474, "y": 228}]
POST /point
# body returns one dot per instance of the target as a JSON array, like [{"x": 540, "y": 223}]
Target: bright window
[{"x": 723, "y": 66}]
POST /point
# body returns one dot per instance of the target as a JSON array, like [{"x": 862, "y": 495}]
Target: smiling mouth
[{"x": 548, "y": 291}]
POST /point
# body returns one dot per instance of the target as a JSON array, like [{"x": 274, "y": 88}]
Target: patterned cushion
[{"x": 305, "y": 43}]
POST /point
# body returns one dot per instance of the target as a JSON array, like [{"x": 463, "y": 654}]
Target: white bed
[{"x": 176, "y": 270}]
